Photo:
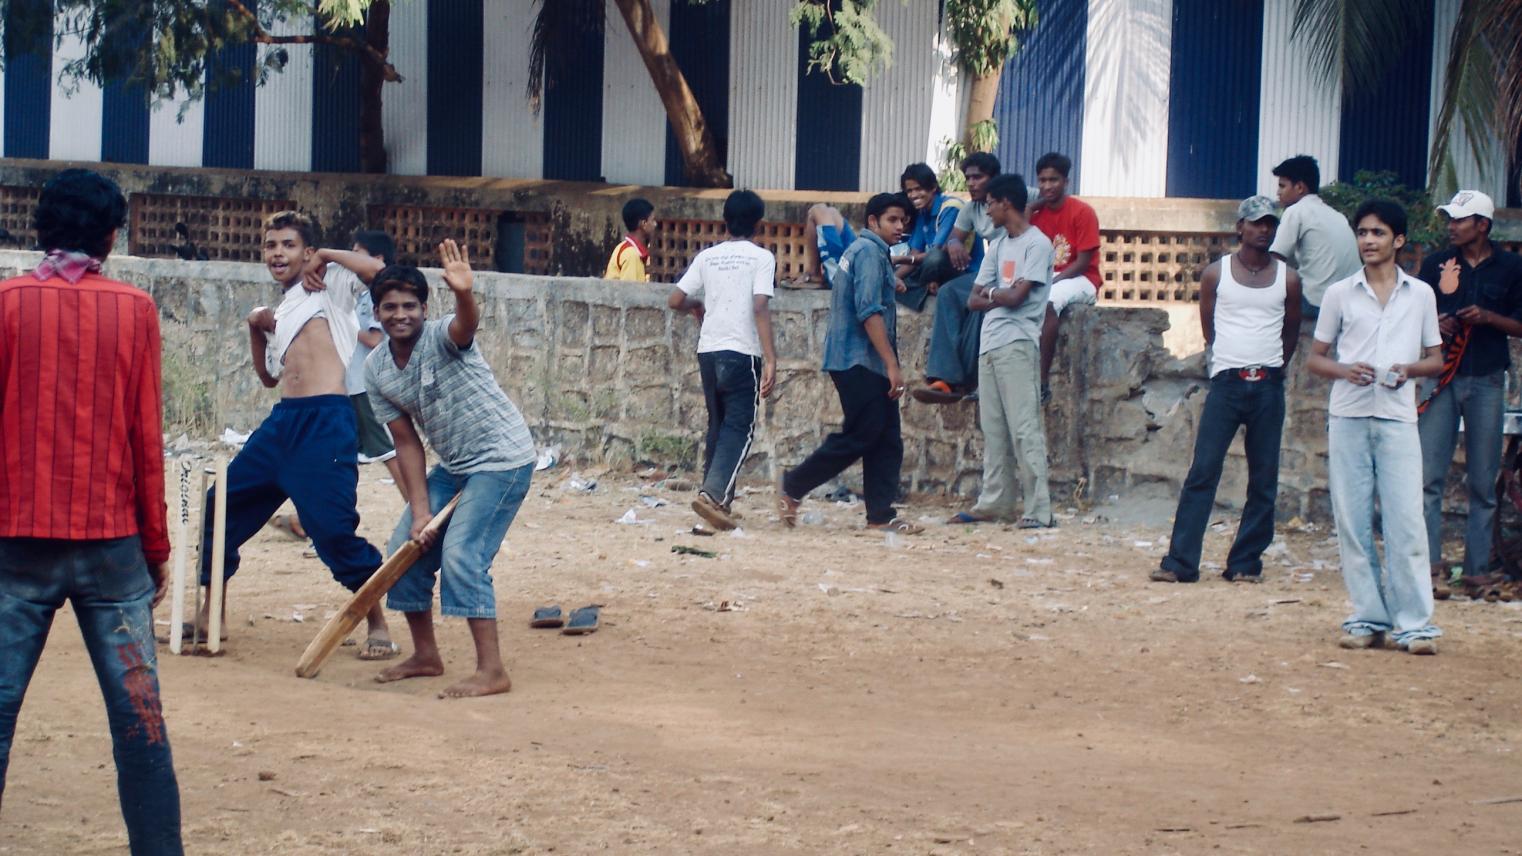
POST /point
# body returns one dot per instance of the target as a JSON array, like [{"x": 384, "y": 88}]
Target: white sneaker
[{"x": 1421, "y": 646}]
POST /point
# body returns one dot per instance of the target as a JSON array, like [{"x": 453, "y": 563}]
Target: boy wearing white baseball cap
[{"x": 1479, "y": 303}]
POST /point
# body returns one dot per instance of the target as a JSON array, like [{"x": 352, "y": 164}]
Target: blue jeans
[
  {"x": 463, "y": 554},
  {"x": 1481, "y": 401},
  {"x": 1231, "y": 403},
  {"x": 954, "y": 335},
  {"x": 110, "y": 589},
  {"x": 732, "y": 391},
  {"x": 1371, "y": 459}
]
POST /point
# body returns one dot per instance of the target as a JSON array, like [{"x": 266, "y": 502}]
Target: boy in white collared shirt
[{"x": 1384, "y": 325}]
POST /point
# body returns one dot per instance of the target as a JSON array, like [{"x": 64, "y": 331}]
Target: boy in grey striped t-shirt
[{"x": 430, "y": 376}]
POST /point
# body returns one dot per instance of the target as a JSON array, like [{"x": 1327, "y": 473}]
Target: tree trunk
[
  {"x": 700, "y": 157},
  {"x": 982, "y": 96},
  {"x": 372, "y": 131}
]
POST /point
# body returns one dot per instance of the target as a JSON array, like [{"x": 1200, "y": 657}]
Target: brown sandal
[
  {"x": 899, "y": 525},
  {"x": 787, "y": 508}
]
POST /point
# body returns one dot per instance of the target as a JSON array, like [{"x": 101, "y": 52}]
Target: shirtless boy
[{"x": 305, "y": 450}]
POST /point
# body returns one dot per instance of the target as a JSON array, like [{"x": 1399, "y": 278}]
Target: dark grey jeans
[{"x": 1480, "y": 400}]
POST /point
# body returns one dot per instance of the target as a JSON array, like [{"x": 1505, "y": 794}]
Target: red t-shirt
[
  {"x": 81, "y": 453},
  {"x": 1072, "y": 229}
]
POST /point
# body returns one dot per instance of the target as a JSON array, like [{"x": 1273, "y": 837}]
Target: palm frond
[
  {"x": 1355, "y": 40},
  {"x": 558, "y": 25},
  {"x": 1469, "y": 97}
]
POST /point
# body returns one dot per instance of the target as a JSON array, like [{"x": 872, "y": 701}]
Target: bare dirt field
[{"x": 971, "y": 690}]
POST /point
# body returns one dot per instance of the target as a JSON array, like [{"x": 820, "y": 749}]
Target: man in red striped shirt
[{"x": 82, "y": 502}]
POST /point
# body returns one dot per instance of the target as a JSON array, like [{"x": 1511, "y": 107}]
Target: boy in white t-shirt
[
  {"x": 1384, "y": 326},
  {"x": 728, "y": 288}
]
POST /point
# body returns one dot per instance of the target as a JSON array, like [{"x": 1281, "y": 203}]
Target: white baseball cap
[{"x": 1470, "y": 203}]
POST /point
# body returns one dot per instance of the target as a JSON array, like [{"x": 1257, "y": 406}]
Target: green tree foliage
[
  {"x": 848, "y": 46},
  {"x": 986, "y": 33},
  {"x": 1424, "y": 226}
]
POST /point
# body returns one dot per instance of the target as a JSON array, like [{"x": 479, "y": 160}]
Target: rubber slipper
[
  {"x": 787, "y": 507},
  {"x": 1032, "y": 523},
  {"x": 931, "y": 395},
  {"x": 583, "y": 621},
  {"x": 378, "y": 649},
  {"x": 547, "y": 616},
  {"x": 965, "y": 517}
]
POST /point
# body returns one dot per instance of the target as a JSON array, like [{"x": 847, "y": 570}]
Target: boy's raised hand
[{"x": 455, "y": 260}]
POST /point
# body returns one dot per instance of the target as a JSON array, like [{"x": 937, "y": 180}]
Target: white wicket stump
[
  {"x": 211, "y": 636},
  {"x": 177, "y": 593}
]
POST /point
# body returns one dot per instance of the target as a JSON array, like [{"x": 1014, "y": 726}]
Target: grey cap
[{"x": 1255, "y": 208}]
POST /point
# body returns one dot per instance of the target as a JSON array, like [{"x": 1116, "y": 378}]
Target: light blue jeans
[
  {"x": 1379, "y": 459},
  {"x": 1481, "y": 400},
  {"x": 463, "y": 554}
]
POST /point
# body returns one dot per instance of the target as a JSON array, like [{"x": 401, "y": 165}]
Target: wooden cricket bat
[{"x": 369, "y": 594}]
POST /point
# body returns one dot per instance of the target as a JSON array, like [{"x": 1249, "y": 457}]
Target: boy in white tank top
[{"x": 1250, "y": 312}]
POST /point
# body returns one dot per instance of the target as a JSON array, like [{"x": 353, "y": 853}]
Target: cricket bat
[{"x": 341, "y": 625}]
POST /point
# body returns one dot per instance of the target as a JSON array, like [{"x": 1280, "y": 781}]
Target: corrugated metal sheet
[
  {"x": 763, "y": 121},
  {"x": 1298, "y": 112},
  {"x": 829, "y": 129},
  {"x": 1213, "y": 101},
  {"x": 1386, "y": 129},
  {"x": 1470, "y": 173},
  {"x": 404, "y": 106},
  {"x": 896, "y": 105},
  {"x": 28, "y": 81},
  {"x": 456, "y": 53},
  {"x": 633, "y": 118},
  {"x": 513, "y": 143},
  {"x": 947, "y": 107},
  {"x": 1125, "y": 97},
  {"x": 172, "y": 142},
  {"x": 1040, "y": 107},
  {"x": 228, "y": 140},
  {"x": 700, "y": 42},
  {"x": 573, "y": 108},
  {"x": 77, "y": 107},
  {"x": 336, "y": 93},
  {"x": 283, "y": 107}
]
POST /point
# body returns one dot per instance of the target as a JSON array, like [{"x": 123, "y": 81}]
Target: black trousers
[{"x": 870, "y": 433}]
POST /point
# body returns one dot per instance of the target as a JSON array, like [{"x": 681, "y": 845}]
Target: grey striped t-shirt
[{"x": 452, "y": 396}]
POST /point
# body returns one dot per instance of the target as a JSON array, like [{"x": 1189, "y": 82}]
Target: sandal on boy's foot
[
  {"x": 899, "y": 525},
  {"x": 583, "y": 621},
  {"x": 378, "y": 649},
  {"x": 937, "y": 392},
  {"x": 713, "y": 512},
  {"x": 1163, "y": 575},
  {"x": 1033, "y": 523},
  {"x": 787, "y": 507},
  {"x": 966, "y": 517},
  {"x": 547, "y": 616},
  {"x": 1440, "y": 588},
  {"x": 1241, "y": 577}
]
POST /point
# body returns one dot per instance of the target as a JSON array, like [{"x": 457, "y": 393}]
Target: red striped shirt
[{"x": 81, "y": 415}]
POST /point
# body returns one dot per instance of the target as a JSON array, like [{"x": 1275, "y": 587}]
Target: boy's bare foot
[
  {"x": 415, "y": 666},
  {"x": 479, "y": 684}
]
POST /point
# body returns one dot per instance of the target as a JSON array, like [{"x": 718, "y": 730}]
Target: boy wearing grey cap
[{"x": 1250, "y": 313}]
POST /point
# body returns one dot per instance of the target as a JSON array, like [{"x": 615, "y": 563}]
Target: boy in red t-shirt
[{"x": 1073, "y": 228}]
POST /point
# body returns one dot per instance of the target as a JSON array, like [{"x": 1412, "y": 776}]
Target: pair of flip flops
[{"x": 581, "y": 622}]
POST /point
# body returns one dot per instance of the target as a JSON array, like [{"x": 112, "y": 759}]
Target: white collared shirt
[{"x": 1363, "y": 331}]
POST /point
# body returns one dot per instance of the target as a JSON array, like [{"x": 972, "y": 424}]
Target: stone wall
[{"x": 608, "y": 372}]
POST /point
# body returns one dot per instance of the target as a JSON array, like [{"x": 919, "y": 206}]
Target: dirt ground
[{"x": 971, "y": 690}]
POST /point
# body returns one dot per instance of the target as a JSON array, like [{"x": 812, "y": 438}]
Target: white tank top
[{"x": 1249, "y": 322}]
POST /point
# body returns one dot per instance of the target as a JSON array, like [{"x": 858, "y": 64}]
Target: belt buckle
[{"x": 1252, "y": 374}]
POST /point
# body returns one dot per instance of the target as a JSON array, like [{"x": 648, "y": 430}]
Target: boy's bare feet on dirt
[
  {"x": 416, "y": 666},
  {"x": 479, "y": 684}
]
